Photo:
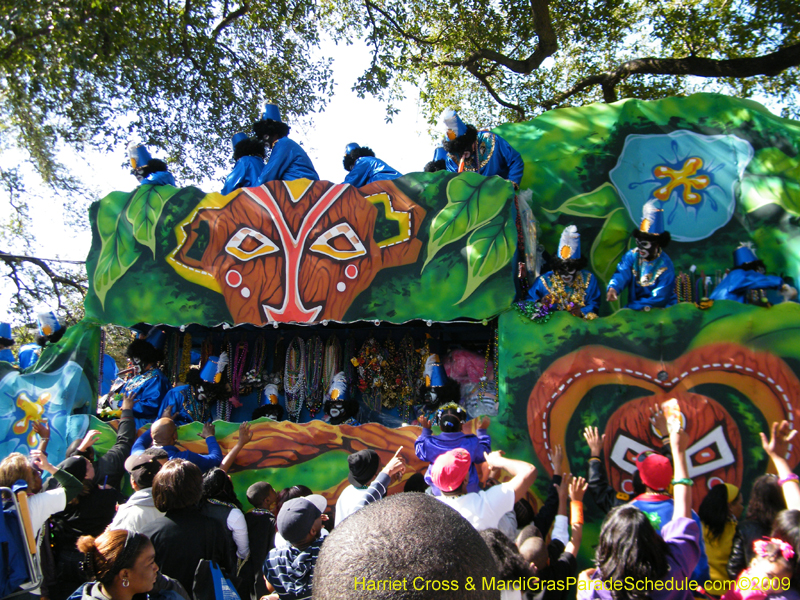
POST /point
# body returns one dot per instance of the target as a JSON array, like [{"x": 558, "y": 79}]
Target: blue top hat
[
  {"x": 47, "y": 320},
  {"x": 569, "y": 246},
  {"x": 5, "y": 331},
  {"x": 652, "y": 218},
  {"x": 744, "y": 254},
  {"x": 435, "y": 375},
  {"x": 271, "y": 111},
  {"x": 440, "y": 154},
  {"x": 239, "y": 137},
  {"x": 139, "y": 155},
  {"x": 209, "y": 370},
  {"x": 451, "y": 124},
  {"x": 350, "y": 147},
  {"x": 156, "y": 338},
  {"x": 338, "y": 388}
]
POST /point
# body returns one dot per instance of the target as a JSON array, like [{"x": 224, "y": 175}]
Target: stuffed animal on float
[
  {"x": 249, "y": 155},
  {"x": 340, "y": 409},
  {"x": 192, "y": 402},
  {"x": 146, "y": 169},
  {"x": 6, "y": 342},
  {"x": 269, "y": 407},
  {"x": 51, "y": 330},
  {"x": 646, "y": 270},
  {"x": 748, "y": 281},
  {"x": 438, "y": 388},
  {"x": 482, "y": 151},
  {"x": 568, "y": 287},
  {"x": 362, "y": 167}
]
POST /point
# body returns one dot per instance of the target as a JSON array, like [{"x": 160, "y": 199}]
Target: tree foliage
[{"x": 509, "y": 60}]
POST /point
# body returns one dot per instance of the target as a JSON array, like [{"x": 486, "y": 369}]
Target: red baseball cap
[
  {"x": 655, "y": 470},
  {"x": 450, "y": 469}
]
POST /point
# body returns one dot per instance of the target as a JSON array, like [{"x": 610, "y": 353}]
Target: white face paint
[
  {"x": 568, "y": 276},
  {"x": 201, "y": 394}
]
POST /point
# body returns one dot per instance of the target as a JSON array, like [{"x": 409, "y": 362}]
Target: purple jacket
[
  {"x": 429, "y": 447},
  {"x": 683, "y": 538}
]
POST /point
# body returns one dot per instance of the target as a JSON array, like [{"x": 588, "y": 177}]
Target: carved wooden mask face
[
  {"x": 714, "y": 454},
  {"x": 294, "y": 251}
]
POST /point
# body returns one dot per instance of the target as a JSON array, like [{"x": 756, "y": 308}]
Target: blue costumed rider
[
  {"x": 188, "y": 403},
  {"x": 364, "y": 168},
  {"x": 482, "y": 151},
  {"x": 646, "y": 270},
  {"x": 746, "y": 282},
  {"x": 287, "y": 161},
  {"x": 51, "y": 330},
  {"x": 6, "y": 341},
  {"x": 150, "y": 384},
  {"x": 249, "y": 155},
  {"x": 568, "y": 286},
  {"x": 146, "y": 169},
  {"x": 164, "y": 434}
]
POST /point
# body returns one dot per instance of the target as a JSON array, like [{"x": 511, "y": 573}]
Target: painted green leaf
[
  {"x": 489, "y": 249},
  {"x": 144, "y": 211},
  {"x": 610, "y": 244},
  {"x": 596, "y": 204},
  {"x": 472, "y": 201},
  {"x": 772, "y": 178},
  {"x": 118, "y": 251}
]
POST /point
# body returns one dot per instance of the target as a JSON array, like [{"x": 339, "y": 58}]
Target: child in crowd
[
  {"x": 557, "y": 561},
  {"x": 451, "y": 418},
  {"x": 769, "y": 572}
]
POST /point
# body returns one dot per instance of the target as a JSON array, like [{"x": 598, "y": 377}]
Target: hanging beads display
[
  {"x": 253, "y": 379},
  {"x": 315, "y": 392},
  {"x": 235, "y": 373},
  {"x": 350, "y": 374},
  {"x": 410, "y": 369},
  {"x": 294, "y": 378},
  {"x": 101, "y": 362},
  {"x": 206, "y": 350},
  {"x": 186, "y": 358},
  {"x": 370, "y": 362},
  {"x": 332, "y": 363},
  {"x": 278, "y": 363},
  {"x": 392, "y": 376}
]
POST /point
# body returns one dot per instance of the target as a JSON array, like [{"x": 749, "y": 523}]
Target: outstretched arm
[
  {"x": 245, "y": 435},
  {"x": 777, "y": 448}
]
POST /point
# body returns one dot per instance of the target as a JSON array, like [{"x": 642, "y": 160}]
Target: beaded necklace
[
  {"x": 175, "y": 357},
  {"x": 206, "y": 348},
  {"x": 196, "y": 409},
  {"x": 235, "y": 372},
  {"x": 333, "y": 362},
  {"x": 315, "y": 392},
  {"x": 563, "y": 299},
  {"x": 294, "y": 378},
  {"x": 654, "y": 272},
  {"x": 102, "y": 357},
  {"x": 370, "y": 377},
  {"x": 186, "y": 358},
  {"x": 495, "y": 369},
  {"x": 349, "y": 367},
  {"x": 409, "y": 369}
]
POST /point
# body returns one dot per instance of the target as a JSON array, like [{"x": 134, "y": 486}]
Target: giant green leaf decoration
[
  {"x": 472, "y": 201},
  {"x": 610, "y": 244},
  {"x": 597, "y": 204},
  {"x": 489, "y": 249},
  {"x": 144, "y": 211},
  {"x": 772, "y": 178},
  {"x": 118, "y": 251}
]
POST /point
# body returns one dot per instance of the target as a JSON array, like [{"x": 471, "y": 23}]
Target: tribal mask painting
[
  {"x": 296, "y": 251},
  {"x": 716, "y": 449}
]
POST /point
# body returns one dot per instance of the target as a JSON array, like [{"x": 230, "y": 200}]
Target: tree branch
[
  {"x": 230, "y": 19},
  {"x": 13, "y": 260},
  {"x": 768, "y": 64},
  {"x": 402, "y": 32},
  {"x": 484, "y": 79},
  {"x": 21, "y": 39}
]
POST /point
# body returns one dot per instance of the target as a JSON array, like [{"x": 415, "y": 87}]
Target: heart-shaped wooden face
[
  {"x": 716, "y": 452},
  {"x": 295, "y": 251}
]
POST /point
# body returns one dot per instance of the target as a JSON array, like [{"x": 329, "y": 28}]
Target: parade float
[{"x": 298, "y": 280}]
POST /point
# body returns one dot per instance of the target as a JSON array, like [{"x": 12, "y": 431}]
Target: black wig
[
  {"x": 267, "y": 128},
  {"x": 560, "y": 265},
  {"x": 249, "y": 147},
  {"x": 462, "y": 143},
  {"x": 154, "y": 165},
  {"x": 662, "y": 239},
  {"x": 145, "y": 352},
  {"x": 436, "y": 165},
  {"x": 349, "y": 160}
]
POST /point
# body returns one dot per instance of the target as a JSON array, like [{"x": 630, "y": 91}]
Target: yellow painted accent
[
  {"x": 298, "y": 187},
  {"x": 337, "y": 254},
  {"x": 242, "y": 255},
  {"x": 211, "y": 201},
  {"x": 32, "y": 413},
  {"x": 402, "y": 218}
]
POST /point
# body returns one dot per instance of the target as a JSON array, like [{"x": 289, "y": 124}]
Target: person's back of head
[
  {"x": 14, "y": 467},
  {"x": 406, "y": 536},
  {"x": 217, "y": 485},
  {"x": 179, "y": 484},
  {"x": 164, "y": 432},
  {"x": 766, "y": 501},
  {"x": 534, "y": 550},
  {"x": 630, "y": 547},
  {"x": 714, "y": 512},
  {"x": 511, "y": 564}
]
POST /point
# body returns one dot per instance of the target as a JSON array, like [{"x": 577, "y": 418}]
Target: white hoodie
[{"x": 137, "y": 512}]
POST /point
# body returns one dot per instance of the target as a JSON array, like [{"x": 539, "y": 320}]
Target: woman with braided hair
[{"x": 121, "y": 564}]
